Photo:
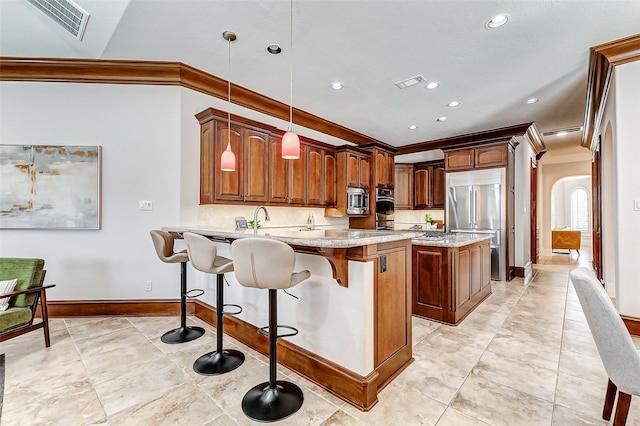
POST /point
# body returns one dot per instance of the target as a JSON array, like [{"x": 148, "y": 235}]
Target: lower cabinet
[{"x": 449, "y": 282}]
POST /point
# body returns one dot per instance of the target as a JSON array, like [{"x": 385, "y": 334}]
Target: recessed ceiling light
[
  {"x": 562, "y": 133},
  {"x": 441, "y": 119},
  {"x": 531, "y": 101},
  {"x": 337, "y": 85},
  {"x": 274, "y": 49},
  {"x": 498, "y": 21},
  {"x": 432, "y": 85},
  {"x": 453, "y": 104},
  {"x": 413, "y": 127},
  {"x": 409, "y": 82}
]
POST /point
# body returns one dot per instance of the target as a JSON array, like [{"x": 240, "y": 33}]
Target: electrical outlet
[
  {"x": 149, "y": 285},
  {"x": 145, "y": 205}
]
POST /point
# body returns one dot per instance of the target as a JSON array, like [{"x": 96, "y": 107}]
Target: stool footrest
[
  {"x": 265, "y": 331},
  {"x": 236, "y": 312},
  {"x": 199, "y": 292}
]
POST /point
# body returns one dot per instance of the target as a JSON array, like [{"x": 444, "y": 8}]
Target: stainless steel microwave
[{"x": 357, "y": 201}]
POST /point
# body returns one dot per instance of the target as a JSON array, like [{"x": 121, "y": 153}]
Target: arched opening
[{"x": 571, "y": 205}]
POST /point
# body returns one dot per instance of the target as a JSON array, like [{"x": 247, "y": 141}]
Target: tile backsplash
[{"x": 223, "y": 216}]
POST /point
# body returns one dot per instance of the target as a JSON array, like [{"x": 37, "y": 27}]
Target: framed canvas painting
[{"x": 50, "y": 187}]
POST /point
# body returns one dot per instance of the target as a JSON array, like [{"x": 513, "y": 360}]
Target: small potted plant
[
  {"x": 428, "y": 219},
  {"x": 251, "y": 224}
]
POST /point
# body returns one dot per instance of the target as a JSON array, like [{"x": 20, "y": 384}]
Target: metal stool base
[
  {"x": 264, "y": 404},
  {"x": 182, "y": 334},
  {"x": 214, "y": 363}
]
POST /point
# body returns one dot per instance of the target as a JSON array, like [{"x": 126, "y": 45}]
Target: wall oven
[
  {"x": 384, "y": 209},
  {"x": 357, "y": 201}
]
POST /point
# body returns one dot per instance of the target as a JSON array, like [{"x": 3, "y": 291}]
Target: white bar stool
[
  {"x": 163, "y": 243},
  {"x": 204, "y": 257},
  {"x": 268, "y": 264}
]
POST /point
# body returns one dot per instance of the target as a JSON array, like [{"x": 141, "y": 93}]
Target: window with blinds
[{"x": 580, "y": 210}]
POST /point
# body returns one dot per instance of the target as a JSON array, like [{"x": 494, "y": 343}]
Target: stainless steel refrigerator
[{"x": 476, "y": 204}]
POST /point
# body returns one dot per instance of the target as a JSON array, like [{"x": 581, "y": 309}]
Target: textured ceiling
[{"x": 541, "y": 52}]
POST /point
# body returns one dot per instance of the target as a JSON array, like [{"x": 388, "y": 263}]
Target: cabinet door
[
  {"x": 438, "y": 187},
  {"x": 229, "y": 185},
  {"x": 207, "y": 162},
  {"x": 486, "y": 265},
  {"x": 364, "y": 174},
  {"x": 353, "y": 170},
  {"x": 298, "y": 177},
  {"x": 391, "y": 166},
  {"x": 382, "y": 172},
  {"x": 491, "y": 156},
  {"x": 256, "y": 165},
  {"x": 430, "y": 283},
  {"x": 463, "y": 284},
  {"x": 391, "y": 305},
  {"x": 278, "y": 173},
  {"x": 315, "y": 176},
  {"x": 329, "y": 177},
  {"x": 475, "y": 268},
  {"x": 421, "y": 184},
  {"x": 459, "y": 159},
  {"x": 403, "y": 192}
]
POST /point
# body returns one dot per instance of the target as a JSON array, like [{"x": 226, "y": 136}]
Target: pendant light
[
  {"x": 228, "y": 158},
  {"x": 290, "y": 140}
]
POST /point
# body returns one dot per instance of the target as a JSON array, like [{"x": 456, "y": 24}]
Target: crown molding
[
  {"x": 602, "y": 60},
  {"x": 70, "y": 70}
]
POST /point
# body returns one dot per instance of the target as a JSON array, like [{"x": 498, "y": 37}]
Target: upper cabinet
[
  {"x": 480, "y": 157},
  {"x": 430, "y": 185},
  {"x": 262, "y": 175},
  {"x": 357, "y": 169},
  {"x": 384, "y": 168},
  {"x": 403, "y": 192},
  {"x": 249, "y": 182}
]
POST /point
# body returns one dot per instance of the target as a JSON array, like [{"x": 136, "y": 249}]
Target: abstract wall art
[{"x": 50, "y": 187}]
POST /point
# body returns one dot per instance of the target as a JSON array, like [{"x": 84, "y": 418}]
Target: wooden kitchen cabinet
[
  {"x": 288, "y": 177},
  {"x": 480, "y": 157},
  {"x": 249, "y": 182},
  {"x": 403, "y": 191},
  {"x": 329, "y": 178},
  {"x": 321, "y": 182},
  {"x": 449, "y": 282},
  {"x": 358, "y": 170},
  {"x": 430, "y": 185},
  {"x": 384, "y": 169}
]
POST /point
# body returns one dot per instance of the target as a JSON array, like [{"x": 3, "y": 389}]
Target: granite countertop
[
  {"x": 456, "y": 240},
  {"x": 319, "y": 237}
]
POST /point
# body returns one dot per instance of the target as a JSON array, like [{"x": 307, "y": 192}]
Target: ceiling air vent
[
  {"x": 66, "y": 13},
  {"x": 409, "y": 82}
]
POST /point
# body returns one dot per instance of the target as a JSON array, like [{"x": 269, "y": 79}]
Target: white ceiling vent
[
  {"x": 66, "y": 13},
  {"x": 410, "y": 82}
]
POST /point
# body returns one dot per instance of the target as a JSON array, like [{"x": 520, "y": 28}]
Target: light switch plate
[
  {"x": 145, "y": 205},
  {"x": 636, "y": 205}
]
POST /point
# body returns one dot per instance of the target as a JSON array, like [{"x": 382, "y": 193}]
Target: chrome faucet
[{"x": 255, "y": 218}]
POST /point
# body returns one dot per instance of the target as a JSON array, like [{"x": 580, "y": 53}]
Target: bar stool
[
  {"x": 163, "y": 243},
  {"x": 268, "y": 264},
  {"x": 203, "y": 254}
]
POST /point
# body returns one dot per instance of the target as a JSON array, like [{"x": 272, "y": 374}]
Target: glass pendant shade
[
  {"x": 228, "y": 160},
  {"x": 290, "y": 146}
]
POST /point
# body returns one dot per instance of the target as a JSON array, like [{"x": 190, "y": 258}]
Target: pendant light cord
[
  {"x": 291, "y": 66},
  {"x": 229, "y": 98}
]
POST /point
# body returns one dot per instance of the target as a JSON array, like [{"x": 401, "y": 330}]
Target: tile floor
[{"x": 525, "y": 356}]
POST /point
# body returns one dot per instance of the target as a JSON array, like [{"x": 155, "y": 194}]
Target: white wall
[
  {"x": 523, "y": 155},
  {"x": 138, "y": 128},
  {"x": 627, "y": 158}
]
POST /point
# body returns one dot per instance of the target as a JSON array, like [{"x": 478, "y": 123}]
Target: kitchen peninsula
[{"x": 353, "y": 314}]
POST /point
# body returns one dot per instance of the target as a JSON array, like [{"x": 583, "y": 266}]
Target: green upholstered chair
[{"x": 19, "y": 316}]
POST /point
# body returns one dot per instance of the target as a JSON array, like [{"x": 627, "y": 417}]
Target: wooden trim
[
  {"x": 486, "y": 136},
  {"x": 518, "y": 271},
  {"x": 633, "y": 324},
  {"x": 602, "y": 59},
  {"x": 70, "y": 70},
  {"x": 535, "y": 139},
  {"x": 360, "y": 391},
  {"x": 90, "y": 308}
]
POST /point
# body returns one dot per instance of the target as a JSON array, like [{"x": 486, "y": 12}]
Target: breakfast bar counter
[{"x": 353, "y": 314}]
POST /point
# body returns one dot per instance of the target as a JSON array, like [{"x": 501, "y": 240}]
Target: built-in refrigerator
[{"x": 477, "y": 204}]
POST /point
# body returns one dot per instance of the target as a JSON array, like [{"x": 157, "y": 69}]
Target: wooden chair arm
[{"x": 27, "y": 291}]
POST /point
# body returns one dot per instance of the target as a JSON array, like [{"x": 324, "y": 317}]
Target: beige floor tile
[
  {"x": 340, "y": 418},
  {"x": 500, "y": 405},
  {"x": 516, "y": 374},
  {"x": 563, "y": 416},
  {"x": 517, "y": 347},
  {"x": 185, "y": 404},
  {"x": 81, "y": 328},
  {"x": 582, "y": 396},
  {"x": 453, "y": 417},
  {"x": 584, "y": 366}
]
